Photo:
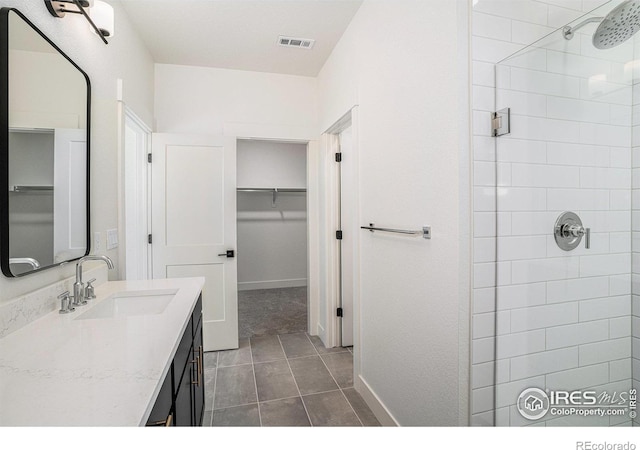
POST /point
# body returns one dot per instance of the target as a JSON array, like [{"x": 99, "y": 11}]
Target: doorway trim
[
  {"x": 281, "y": 133},
  {"x": 330, "y": 145},
  {"x": 142, "y": 193}
]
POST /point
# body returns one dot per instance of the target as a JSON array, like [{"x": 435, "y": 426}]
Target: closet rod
[{"x": 273, "y": 191}]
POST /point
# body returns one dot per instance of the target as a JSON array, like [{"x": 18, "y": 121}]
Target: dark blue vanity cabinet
[{"x": 181, "y": 398}]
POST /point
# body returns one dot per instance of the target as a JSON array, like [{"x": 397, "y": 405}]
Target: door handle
[{"x": 229, "y": 254}]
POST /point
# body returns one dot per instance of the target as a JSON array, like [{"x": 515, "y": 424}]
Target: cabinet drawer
[{"x": 184, "y": 405}]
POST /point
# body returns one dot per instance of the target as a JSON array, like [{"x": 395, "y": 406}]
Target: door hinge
[
  {"x": 149, "y": 157},
  {"x": 501, "y": 122},
  {"x": 339, "y": 312},
  {"x": 150, "y": 239},
  {"x": 338, "y": 157},
  {"x": 339, "y": 235}
]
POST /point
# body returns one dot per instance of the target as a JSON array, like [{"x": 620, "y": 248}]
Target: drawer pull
[
  {"x": 198, "y": 363},
  {"x": 201, "y": 362},
  {"x": 162, "y": 423}
]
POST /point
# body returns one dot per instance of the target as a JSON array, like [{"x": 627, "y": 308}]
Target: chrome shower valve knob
[{"x": 569, "y": 231}]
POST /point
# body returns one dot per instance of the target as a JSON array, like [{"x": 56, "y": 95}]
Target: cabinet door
[
  {"x": 162, "y": 413},
  {"x": 183, "y": 402},
  {"x": 183, "y": 354},
  {"x": 198, "y": 376}
]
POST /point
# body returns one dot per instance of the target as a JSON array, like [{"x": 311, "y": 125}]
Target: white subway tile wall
[{"x": 553, "y": 319}]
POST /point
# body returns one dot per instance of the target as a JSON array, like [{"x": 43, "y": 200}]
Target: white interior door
[
  {"x": 194, "y": 222},
  {"x": 347, "y": 213},
  {"x": 136, "y": 176},
  {"x": 69, "y": 194}
]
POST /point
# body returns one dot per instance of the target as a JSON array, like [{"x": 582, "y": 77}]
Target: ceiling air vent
[{"x": 286, "y": 41}]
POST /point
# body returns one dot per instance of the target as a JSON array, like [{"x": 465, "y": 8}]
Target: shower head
[
  {"x": 615, "y": 28},
  {"x": 619, "y": 25}
]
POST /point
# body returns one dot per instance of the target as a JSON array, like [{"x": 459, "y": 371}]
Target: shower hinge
[{"x": 501, "y": 122}]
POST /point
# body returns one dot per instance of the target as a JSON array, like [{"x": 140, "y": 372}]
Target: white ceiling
[{"x": 241, "y": 34}]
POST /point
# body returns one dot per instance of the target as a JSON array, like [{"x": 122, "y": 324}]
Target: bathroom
[{"x": 445, "y": 326}]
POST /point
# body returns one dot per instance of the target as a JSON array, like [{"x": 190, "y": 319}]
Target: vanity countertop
[{"x": 96, "y": 372}]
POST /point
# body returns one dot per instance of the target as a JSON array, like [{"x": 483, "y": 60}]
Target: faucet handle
[
  {"x": 89, "y": 292},
  {"x": 65, "y": 303}
]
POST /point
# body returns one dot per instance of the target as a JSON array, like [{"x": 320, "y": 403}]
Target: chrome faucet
[
  {"x": 78, "y": 286},
  {"x": 31, "y": 261}
]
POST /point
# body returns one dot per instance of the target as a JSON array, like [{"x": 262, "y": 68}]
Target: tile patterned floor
[
  {"x": 283, "y": 380},
  {"x": 265, "y": 312}
]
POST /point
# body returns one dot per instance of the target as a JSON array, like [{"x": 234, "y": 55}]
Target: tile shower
[{"x": 543, "y": 317}]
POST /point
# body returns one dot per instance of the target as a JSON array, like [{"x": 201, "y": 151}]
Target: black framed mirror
[{"x": 45, "y": 110}]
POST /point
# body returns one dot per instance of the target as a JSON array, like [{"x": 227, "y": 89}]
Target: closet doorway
[{"x": 272, "y": 237}]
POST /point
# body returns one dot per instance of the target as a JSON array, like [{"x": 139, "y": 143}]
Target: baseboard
[
  {"x": 322, "y": 334},
  {"x": 272, "y": 284},
  {"x": 381, "y": 412}
]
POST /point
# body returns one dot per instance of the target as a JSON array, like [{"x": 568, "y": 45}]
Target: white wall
[
  {"x": 124, "y": 58},
  {"x": 33, "y": 104},
  {"x": 213, "y": 101},
  {"x": 272, "y": 242},
  {"x": 406, "y": 87}
]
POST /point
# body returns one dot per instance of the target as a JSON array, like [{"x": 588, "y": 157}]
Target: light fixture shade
[{"x": 103, "y": 16}]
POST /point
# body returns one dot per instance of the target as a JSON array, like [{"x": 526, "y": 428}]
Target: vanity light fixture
[
  {"x": 58, "y": 8},
  {"x": 103, "y": 17}
]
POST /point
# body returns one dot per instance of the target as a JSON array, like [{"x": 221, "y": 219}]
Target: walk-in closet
[{"x": 272, "y": 237}]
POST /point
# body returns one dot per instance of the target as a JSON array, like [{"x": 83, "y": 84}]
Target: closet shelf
[{"x": 273, "y": 191}]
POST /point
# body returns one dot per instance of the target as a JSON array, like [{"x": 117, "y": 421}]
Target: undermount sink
[{"x": 131, "y": 303}]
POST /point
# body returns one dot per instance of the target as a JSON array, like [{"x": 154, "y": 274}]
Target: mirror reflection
[{"x": 48, "y": 99}]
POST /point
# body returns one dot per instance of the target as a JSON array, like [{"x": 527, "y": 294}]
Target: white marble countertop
[{"x": 97, "y": 372}]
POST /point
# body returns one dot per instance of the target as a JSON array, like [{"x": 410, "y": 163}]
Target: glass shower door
[{"x": 563, "y": 316}]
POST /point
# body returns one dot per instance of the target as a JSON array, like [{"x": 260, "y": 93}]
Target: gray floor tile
[
  {"x": 297, "y": 345},
  {"x": 234, "y": 386},
  {"x": 311, "y": 375},
  {"x": 209, "y": 388},
  {"x": 363, "y": 411},
  {"x": 207, "y": 418},
  {"x": 239, "y": 416},
  {"x": 210, "y": 360},
  {"x": 341, "y": 367},
  {"x": 266, "y": 312},
  {"x": 266, "y": 348},
  {"x": 317, "y": 342},
  {"x": 330, "y": 409},
  {"x": 274, "y": 381},
  {"x": 235, "y": 357},
  {"x": 289, "y": 412}
]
